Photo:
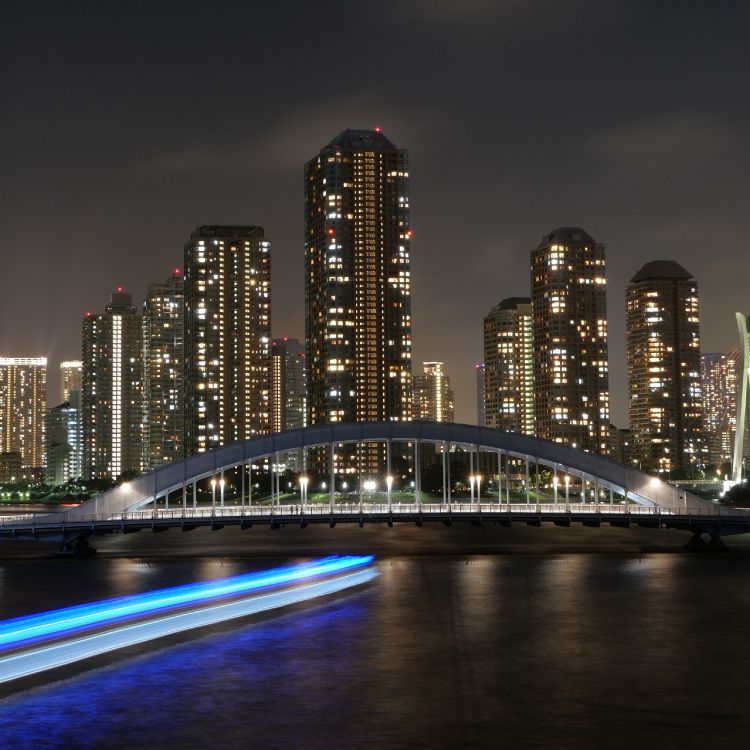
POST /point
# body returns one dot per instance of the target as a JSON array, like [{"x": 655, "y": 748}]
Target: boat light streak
[
  {"x": 85, "y": 616},
  {"x": 41, "y": 658}
]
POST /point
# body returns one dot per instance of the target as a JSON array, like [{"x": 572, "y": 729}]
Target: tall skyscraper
[
  {"x": 358, "y": 280},
  {"x": 288, "y": 393},
  {"x": 227, "y": 336},
  {"x": 509, "y": 366},
  {"x": 719, "y": 386},
  {"x": 664, "y": 367},
  {"x": 112, "y": 395},
  {"x": 70, "y": 379},
  {"x": 571, "y": 371},
  {"x": 64, "y": 440},
  {"x": 432, "y": 397},
  {"x": 23, "y": 404},
  {"x": 163, "y": 370},
  {"x": 481, "y": 394}
]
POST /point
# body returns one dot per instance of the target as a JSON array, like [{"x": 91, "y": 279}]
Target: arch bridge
[{"x": 427, "y": 471}]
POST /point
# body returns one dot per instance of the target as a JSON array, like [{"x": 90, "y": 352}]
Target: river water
[{"x": 551, "y": 651}]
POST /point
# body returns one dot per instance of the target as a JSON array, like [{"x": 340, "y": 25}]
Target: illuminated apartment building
[
  {"x": 288, "y": 395},
  {"x": 664, "y": 368},
  {"x": 227, "y": 336},
  {"x": 163, "y": 373},
  {"x": 357, "y": 281},
  {"x": 23, "y": 404},
  {"x": 112, "y": 393},
  {"x": 70, "y": 379},
  {"x": 719, "y": 386},
  {"x": 481, "y": 391},
  {"x": 64, "y": 440},
  {"x": 432, "y": 397},
  {"x": 509, "y": 366},
  {"x": 571, "y": 376}
]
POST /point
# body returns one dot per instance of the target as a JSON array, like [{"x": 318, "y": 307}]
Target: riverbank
[{"x": 401, "y": 540}]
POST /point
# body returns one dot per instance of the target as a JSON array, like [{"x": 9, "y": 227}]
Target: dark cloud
[{"x": 122, "y": 128}]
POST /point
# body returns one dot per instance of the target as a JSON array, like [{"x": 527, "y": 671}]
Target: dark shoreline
[{"x": 401, "y": 540}]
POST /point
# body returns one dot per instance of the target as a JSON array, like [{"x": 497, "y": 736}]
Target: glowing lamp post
[
  {"x": 472, "y": 479},
  {"x": 389, "y": 485},
  {"x": 479, "y": 489},
  {"x": 567, "y": 490},
  {"x": 222, "y": 482},
  {"x": 213, "y": 495},
  {"x": 303, "y": 489}
]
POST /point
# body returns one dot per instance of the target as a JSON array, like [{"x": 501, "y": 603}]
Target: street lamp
[
  {"x": 471, "y": 483},
  {"x": 479, "y": 490},
  {"x": 221, "y": 490},
  {"x": 213, "y": 495},
  {"x": 389, "y": 485},
  {"x": 303, "y": 489},
  {"x": 567, "y": 490}
]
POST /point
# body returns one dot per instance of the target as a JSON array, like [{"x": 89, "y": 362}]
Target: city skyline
[{"x": 651, "y": 169}]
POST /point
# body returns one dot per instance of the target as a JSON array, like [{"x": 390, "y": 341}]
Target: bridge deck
[{"x": 712, "y": 520}]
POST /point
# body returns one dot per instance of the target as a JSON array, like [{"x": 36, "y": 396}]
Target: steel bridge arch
[{"x": 635, "y": 485}]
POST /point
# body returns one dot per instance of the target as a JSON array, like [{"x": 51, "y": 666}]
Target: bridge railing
[{"x": 365, "y": 509}]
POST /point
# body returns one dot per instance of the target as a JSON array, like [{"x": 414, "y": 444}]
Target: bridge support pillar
[
  {"x": 507, "y": 479},
  {"x": 195, "y": 495},
  {"x": 184, "y": 497},
  {"x": 242, "y": 486},
  {"x": 448, "y": 473},
  {"x": 332, "y": 474},
  {"x": 417, "y": 475},
  {"x": 499, "y": 477},
  {"x": 77, "y": 546},
  {"x": 527, "y": 481},
  {"x": 445, "y": 472}
]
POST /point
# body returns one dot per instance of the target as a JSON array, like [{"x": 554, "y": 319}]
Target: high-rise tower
[
  {"x": 432, "y": 394},
  {"x": 23, "y": 388},
  {"x": 112, "y": 394},
  {"x": 163, "y": 370},
  {"x": 664, "y": 367},
  {"x": 358, "y": 282},
  {"x": 509, "y": 366},
  {"x": 288, "y": 393},
  {"x": 571, "y": 372},
  {"x": 227, "y": 335},
  {"x": 70, "y": 379}
]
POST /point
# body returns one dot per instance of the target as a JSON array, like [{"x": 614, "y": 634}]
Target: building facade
[
  {"x": 358, "y": 285},
  {"x": 509, "y": 366},
  {"x": 432, "y": 397},
  {"x": 112, "y": 393},
  {"x": 664, "y": 368},
  {"x": 64, "y": 441},
  {"x": 227, "y": 336},
  {"x": 163, "y": 370},
  {"x": 719, "y": 382},
  {"x": 23, "y": 405},
  {"x": 479, "y": 370},
  {"x": 571, "y": 370},
  {"x": 71, "y": 374},
  {"x": 288, "y": 391}
]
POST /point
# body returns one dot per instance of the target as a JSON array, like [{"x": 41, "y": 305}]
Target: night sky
[{"x": 121, "y": 129}]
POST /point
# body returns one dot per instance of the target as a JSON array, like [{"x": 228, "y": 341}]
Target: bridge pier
[{"x": 76, "y": 546}]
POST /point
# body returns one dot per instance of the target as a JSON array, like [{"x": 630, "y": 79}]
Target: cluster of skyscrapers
[
  {"x": 196, "y": 367},
  {"x": 545, "y": 369}
]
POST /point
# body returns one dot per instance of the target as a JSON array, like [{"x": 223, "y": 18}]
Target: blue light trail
[
  {"x": 41, "y": 658},
  {"x": 19, "y": 630}
]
